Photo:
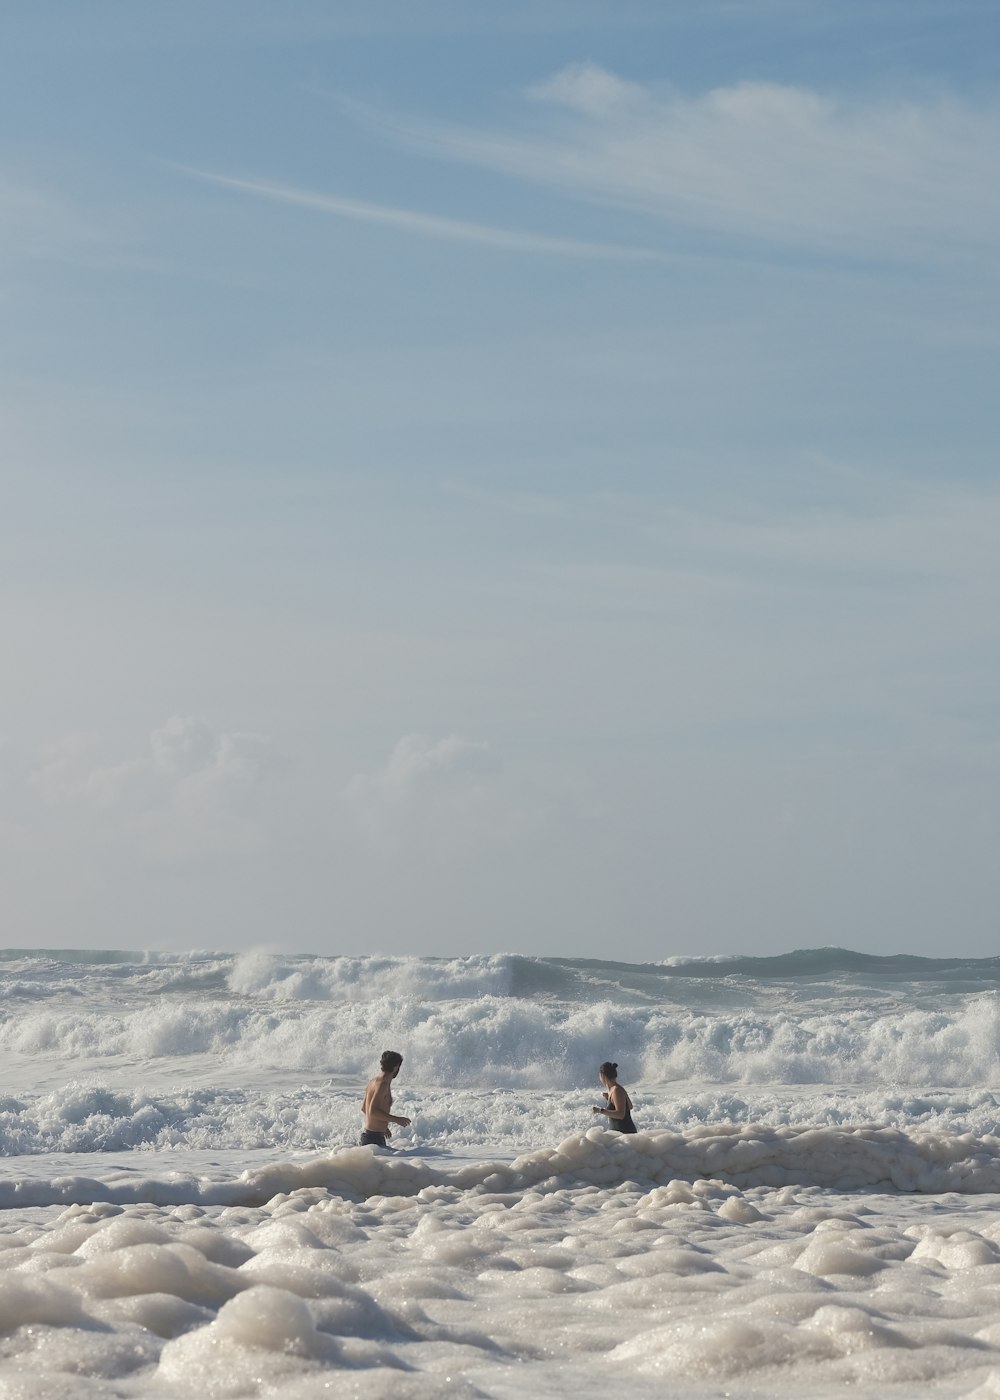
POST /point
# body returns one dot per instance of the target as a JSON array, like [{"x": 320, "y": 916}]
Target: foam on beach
[{"x": 381, "y": 1276}]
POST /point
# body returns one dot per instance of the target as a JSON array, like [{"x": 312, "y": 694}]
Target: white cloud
[
  {"x": 183, "y": 746},
  {"x": 425, "y": 786},
  {"x": 416, "y": 762},
  {"x": 420, "y": 764},
  {"x": 783, "y": 164},
  {"x": 586, "y": 87}
]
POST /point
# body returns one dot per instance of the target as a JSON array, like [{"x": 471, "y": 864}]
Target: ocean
[{"x": 811, "y": 1207}]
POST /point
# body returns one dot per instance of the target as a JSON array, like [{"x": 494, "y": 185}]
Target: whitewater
[{"x": 809, "y": 1208}]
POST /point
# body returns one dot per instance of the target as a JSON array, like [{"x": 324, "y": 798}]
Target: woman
[{"x": 619, "y": 1106}]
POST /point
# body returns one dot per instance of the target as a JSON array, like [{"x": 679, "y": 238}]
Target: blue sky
[{"x": 489, "y": 477}]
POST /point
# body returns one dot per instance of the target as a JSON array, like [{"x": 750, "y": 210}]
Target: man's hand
[{"x": 403, "y": 1122}]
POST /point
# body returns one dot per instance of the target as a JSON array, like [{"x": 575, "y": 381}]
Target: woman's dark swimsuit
[
  {"x": 623, "y": 1125},
  {"x": 370, "y": 1139}
]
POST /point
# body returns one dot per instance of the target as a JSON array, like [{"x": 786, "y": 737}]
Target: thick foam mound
[
  {"x": 865, "y": 1158},
  {"x": 846, "y": 1158}
]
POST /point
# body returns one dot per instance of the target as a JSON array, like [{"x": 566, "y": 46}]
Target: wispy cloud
[
  {"x": 935, "y": 535},
  {"x": 882, "y": 176},
  {"x": 429, "y": 225},
  {"x": 37, "y": 222}
]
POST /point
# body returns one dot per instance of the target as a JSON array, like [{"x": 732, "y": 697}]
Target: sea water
[{"x": 810, "y": 1208}]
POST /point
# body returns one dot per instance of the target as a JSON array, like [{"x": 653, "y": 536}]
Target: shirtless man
[{"x": 377, "y": 1102}]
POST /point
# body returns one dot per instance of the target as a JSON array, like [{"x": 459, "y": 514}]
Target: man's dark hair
[{"x": 391, "y": 1059}]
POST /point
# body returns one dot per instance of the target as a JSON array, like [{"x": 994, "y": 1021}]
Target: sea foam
[
  {"x": 809, "y": 1209},
  {"x": 847, "y": 1159}
]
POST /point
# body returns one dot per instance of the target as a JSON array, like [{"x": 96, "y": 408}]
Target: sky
[{"x": 484, "y": 478}]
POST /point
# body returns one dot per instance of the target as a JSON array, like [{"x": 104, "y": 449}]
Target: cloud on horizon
[
  {"x": 425, "y": 784},
  {"x": 193, "y": 792}
]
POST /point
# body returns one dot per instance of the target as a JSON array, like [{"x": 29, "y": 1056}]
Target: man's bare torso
[{"x": 377, "y": 1103}]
